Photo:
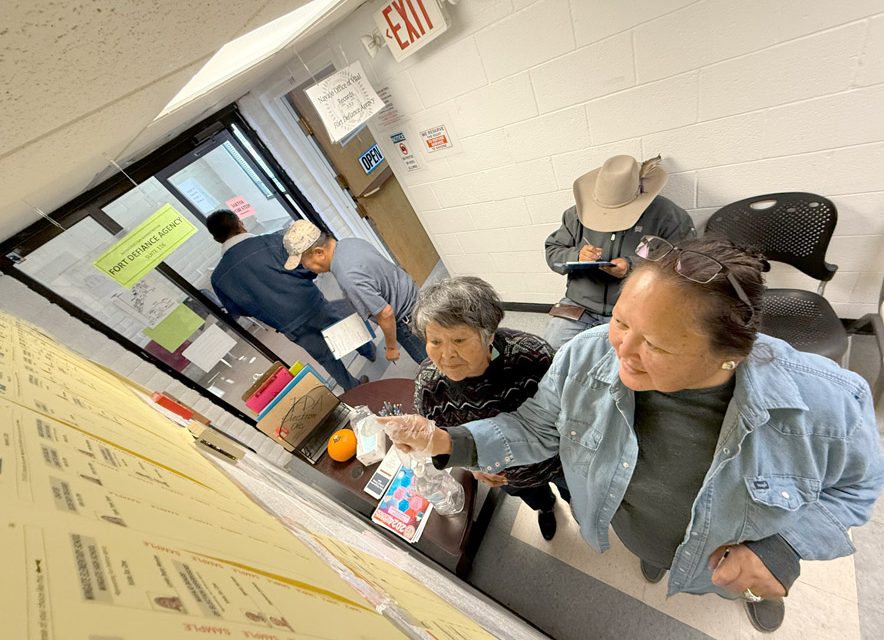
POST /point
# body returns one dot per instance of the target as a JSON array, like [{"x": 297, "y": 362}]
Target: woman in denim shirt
[{"x": 716, "y": 453}]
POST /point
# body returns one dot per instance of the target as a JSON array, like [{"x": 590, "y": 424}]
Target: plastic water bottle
[{"x": 443, "y": 491}]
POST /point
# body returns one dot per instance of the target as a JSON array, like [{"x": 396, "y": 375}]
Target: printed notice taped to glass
[
  {"x": 209, "y": 348},
  {"x": 347, "y": 335},
  {"x": 344, "y": 100}
]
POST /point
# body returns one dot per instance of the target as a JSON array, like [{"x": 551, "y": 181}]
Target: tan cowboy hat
[{"x": 614, "y": 196}]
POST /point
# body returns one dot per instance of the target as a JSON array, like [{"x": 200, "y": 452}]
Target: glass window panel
[
  {"x": 196, "y": 257},
  {"x": 154, "y": 306},
  {"x": 218, "y": 179}
]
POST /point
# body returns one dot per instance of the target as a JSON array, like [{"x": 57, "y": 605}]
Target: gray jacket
[{"x": 593, "y": 288}]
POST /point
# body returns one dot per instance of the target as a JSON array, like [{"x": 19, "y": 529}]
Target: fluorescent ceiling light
[{"x": 248, "y": 50}]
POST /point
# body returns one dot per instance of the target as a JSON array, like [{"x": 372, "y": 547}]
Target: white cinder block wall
[{"x": 741, "y": 98}]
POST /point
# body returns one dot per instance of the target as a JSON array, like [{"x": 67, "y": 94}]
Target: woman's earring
[{"x": 728, "y": 365}]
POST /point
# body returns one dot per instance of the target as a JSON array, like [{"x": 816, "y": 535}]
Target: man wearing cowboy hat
[{"x": 616, "y": 205}]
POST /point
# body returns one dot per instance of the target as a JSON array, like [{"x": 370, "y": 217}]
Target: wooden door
[{"x": 378, "y": 195}]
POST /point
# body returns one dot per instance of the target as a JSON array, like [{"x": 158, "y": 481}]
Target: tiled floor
[{"x": 822, "y": 604}]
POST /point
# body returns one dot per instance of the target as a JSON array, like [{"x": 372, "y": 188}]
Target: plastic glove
[{"x": 413, "y": 433}]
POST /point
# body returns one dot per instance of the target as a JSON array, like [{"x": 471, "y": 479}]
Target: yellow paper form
[
  {"x": 428, "y": 609},
  {"x": 113, "y": 525}
]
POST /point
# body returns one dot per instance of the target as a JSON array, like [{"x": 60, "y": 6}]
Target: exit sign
[{"x": 408, "y": 25}]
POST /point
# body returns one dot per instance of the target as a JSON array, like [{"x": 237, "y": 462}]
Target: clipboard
[
  {"x": 578, "y": 265},
  {"x": 347, "y": 335}
]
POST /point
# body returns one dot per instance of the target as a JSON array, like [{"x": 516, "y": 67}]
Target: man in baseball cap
[
  {"x": 251, "y": 280},
  {"x": 377, "y": 288},
  {"x": 616, "y": 204}
]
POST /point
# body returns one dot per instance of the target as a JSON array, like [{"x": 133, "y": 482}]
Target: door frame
[
  {"x": 89, "y": 203},
  {"x": 268, "y": 100}
]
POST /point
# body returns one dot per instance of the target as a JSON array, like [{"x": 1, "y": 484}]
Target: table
[{"x": 451, "y": 541}]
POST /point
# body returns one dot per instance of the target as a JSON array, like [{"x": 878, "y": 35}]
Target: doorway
[
  {"x": 377, "y": 193},
  {"x": 170, "y": 316}
]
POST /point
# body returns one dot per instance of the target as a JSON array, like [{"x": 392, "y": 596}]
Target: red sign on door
[{"x": 408, "y": 25}]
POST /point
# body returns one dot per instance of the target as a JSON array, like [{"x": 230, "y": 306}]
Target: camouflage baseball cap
[{"x": 297, "y": 239}]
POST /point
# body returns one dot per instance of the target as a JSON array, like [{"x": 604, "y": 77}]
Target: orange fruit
[{"x": 342, "y": 445}]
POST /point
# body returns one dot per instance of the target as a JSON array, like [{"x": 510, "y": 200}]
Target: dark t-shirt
[
  {"x": 677, "y": 433},
  {"x": 510, "y": 379}
]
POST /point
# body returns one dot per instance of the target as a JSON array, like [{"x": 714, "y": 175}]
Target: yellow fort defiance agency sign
[{"x": 147, "y": 245}]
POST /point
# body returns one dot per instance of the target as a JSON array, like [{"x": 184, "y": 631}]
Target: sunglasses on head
[{"x": 693, "y": 265}]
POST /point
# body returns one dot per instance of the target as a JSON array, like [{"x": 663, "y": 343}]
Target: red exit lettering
[{"x": 406, "y": 17}]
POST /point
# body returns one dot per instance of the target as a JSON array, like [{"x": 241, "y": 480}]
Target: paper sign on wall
[
  {"x": 344, "y": 100},
  {"x": 197, "y": 195},
  {"x": 436, "y": 138},
  {"x": 405, "y": 152},
  {"x": 389, "y": 116},
  {"x": 240, "y": 207},
  {"x": 147, "y": 245},
  {"x": 175, "y": 328},
  {"x": 149, "y": 302}
]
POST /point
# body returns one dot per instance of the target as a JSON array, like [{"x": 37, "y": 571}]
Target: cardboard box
[{"x": 299, "y": 410}]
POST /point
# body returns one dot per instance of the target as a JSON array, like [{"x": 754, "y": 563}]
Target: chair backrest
[{"x": 794, "y": 228}]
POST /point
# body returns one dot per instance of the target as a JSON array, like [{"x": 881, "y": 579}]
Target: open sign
[{"x": 371, "y": 159}]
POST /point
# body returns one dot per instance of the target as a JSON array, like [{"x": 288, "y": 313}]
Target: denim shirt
[{"x": 798, "y": 453}]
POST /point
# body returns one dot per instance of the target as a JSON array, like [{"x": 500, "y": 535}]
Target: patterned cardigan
[{"x": 510, "y": 379}]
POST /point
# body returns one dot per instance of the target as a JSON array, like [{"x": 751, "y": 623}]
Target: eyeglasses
[{"x": 693, "y": 265}]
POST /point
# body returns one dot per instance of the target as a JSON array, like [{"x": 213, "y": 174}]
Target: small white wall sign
[{"x": 344, "y": 100}]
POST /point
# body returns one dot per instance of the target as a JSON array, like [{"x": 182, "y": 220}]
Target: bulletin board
[{"x": 114, "y": 525}]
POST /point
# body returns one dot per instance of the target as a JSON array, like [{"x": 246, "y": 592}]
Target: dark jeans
[
  {"x": 412, "y": 344},
  {"x": 309, "y": 337},
  {"x": 541, "y": 498}
]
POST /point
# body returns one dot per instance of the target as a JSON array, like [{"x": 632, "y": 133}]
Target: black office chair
[
  {"x": 875, "y": 322},
  {"x": 794, "y": 228}
]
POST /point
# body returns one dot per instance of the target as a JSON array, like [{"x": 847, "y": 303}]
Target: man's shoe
[
  {"x": 767, "y": 615},
  {"x": 547, "y": 522},
  {"x": 363, "y": 379},
  {"x": 652, "y": 574}
]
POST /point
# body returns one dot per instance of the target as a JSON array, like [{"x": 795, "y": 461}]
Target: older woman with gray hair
[{"x": 476, "y": 370}]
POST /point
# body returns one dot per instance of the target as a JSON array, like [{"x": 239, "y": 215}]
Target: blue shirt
[
  {"x": 251, "y": 280},
  {"x": 798, "y": 453}
]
